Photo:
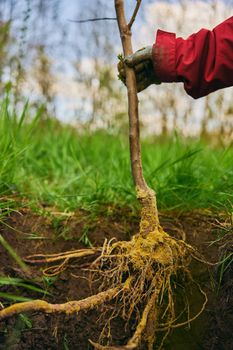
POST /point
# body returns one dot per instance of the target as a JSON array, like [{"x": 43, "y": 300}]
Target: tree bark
[{"x": 144, "y": 193}]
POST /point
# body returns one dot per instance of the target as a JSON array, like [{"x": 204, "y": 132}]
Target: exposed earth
[{"x": 29, "y": 233}]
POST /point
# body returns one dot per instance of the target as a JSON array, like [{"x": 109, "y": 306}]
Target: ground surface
[{"x": 29, "y": 233}]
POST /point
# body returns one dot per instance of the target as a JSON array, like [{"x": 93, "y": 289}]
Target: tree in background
[
  {"x": 4, "y": 56},
  {"x": 24, "y": 41},
  {"x": 95, "y": 66},
  {"x": 42, "y": 72},
  {"x": 71, "y": 67}
]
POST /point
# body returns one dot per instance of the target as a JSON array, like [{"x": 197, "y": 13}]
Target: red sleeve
[{"x": 204, "y": 61}]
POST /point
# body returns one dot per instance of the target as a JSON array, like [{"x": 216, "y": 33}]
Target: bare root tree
[{"x": 136, "y": 275}]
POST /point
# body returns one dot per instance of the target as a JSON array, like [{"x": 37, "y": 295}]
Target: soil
[{"x": 29, "y": 233}]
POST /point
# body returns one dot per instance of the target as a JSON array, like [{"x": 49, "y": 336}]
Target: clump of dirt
[{"x": 30, "y": 234}]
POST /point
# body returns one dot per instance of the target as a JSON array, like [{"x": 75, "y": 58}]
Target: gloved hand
[{"x": 141, "y": 62}]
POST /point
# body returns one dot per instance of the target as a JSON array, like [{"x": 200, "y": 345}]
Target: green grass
[
  {"x": 54, "y": 165},
  {"x": 18, "y": 284}
]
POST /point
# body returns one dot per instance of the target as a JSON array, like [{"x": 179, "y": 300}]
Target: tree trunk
[{"x": 149, "y": 214}]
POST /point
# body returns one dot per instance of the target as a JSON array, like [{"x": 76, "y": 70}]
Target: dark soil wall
[{"x": 211, "y": 331}]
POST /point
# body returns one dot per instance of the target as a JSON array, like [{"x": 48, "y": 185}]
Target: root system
[{"x": 137, "y": 276}]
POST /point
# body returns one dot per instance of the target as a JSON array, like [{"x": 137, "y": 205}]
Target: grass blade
[{"x": 13, "y": 254}]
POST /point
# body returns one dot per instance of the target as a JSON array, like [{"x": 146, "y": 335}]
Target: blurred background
[{"x": 70, "y": 68}]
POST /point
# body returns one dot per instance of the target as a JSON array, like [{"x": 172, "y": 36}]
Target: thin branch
[
  {"x": 93, "y": 19},
  {"x": 134, "y": 14}
]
